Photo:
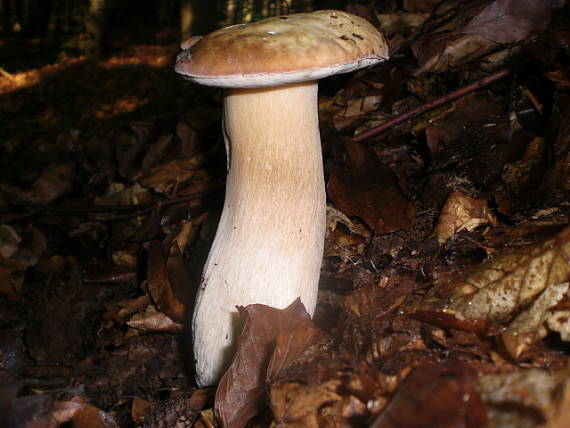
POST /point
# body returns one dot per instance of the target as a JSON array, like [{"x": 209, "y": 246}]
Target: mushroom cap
[{"x": 283, "y": 49}]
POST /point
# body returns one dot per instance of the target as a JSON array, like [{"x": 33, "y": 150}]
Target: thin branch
[{"x": 452, "y": 96}]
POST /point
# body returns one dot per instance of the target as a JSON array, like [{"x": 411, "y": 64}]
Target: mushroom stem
[{"x": 269, "y": 243}]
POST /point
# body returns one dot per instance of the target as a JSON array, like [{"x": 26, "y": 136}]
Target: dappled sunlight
[
  {"x": 141, "y": 55},
  {"x": 149, "y": 55},
  {"x": 10, "y": 82}
]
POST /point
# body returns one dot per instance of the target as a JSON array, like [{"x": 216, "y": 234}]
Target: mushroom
[{"x": 269, "y": 243}]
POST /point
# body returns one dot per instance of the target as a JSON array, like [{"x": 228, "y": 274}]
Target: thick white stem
[{"x": 269, "y": 243}]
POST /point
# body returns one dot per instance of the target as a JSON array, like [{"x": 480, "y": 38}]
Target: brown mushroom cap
[{"x": 284, "y": 49}]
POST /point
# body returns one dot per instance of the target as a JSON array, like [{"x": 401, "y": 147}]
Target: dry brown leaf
[
  {"x": 92, "y": 417},
  {"x": 442, "y": 51},
  {"x": 344, "y": 238},
  {"x": 11, "y": 280},
  {"x": 473, "y": 30},
  {"x": 377, "y": 300},
  {"x": 241, "y": 390},
  {"x": 9, "y": 241},
  {"x": 290, "y": 345},
  {"x": 356, "y": 108},
  {"x": 139, "y": 408},
  {"x": 527, "y": 398},
  {"x": 494, "y": 291},
  {"x": 153, "y": 321},
  {"x": 530, "y": 325},
  {"x": 462, "y": 212},
  {"x": 159, "y": 284},
  {"x": 298, "y": 405},
  {"x": 509, "y": 21},
  {"x": 360, "y": 185},
  {"x": 442, "y": 395},
  {"x": 168, "y": 177},
  {"x": 53, "y": 183},
  {"x": 523, "y": 177}
]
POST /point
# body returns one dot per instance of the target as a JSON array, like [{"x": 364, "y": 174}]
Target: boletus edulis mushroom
[{"x": 269, "y": 242}]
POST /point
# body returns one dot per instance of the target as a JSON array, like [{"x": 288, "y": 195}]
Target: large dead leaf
[
  {"x": 509, "y": 21},
  {"x": 495, "y": 291},
  {"x": 241, "y": 390},
  {"x": 433, "y": 395},
  {"x": 362, "y": 186},
  {"x": 477, "y": 28}
]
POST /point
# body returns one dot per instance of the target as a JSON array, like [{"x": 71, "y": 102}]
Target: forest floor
[{"x": 444, "y": 297}]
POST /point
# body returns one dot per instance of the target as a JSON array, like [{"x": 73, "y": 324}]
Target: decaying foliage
[{"x": 444, "y": 296}]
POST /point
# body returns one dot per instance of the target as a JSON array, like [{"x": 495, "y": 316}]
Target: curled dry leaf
[
  {"x": 344, "y": 238},
  {"x": 241, "y": 390},
  {"x": 159, "y": 283},
  {"x": 527, "y": 398},
  {"x": 494, "y": 291},
  {"x": 462, "y": 212},
  {"x": 153, "y": 321}
]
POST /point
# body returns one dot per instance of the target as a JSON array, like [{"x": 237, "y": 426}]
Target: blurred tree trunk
[
  {"x": 17, "y": 15},
  {"x": 95, "y": 24},
  {"x": 4, "y": 15},
  {"x": 197, "y": 17}
]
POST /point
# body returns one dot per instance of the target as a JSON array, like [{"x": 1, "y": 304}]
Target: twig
[
  {"x": 7, "y": 75},
  {"x": 128, "y": 210},
  {"x": 452, "y": 96}
]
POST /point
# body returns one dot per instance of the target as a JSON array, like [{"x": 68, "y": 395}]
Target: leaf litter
[{"x": 444, "y": 290}]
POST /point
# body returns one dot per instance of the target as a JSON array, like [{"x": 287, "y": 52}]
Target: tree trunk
[
  {"x": 197, "y": 17},
  {"x": 95, "y": 26}
]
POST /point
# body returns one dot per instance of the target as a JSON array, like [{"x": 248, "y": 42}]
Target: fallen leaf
[
  {"x": 462, "y": 34},
  {"x": 92, "y": 417},
  {"x": 290, "y": 345},
  {"x": 344, "y": 238},
  {"x": 298, "y": 405},
  {"x": 509, "y": 21},
  {"x": 529, "y": 326},
  {"x": 241, "y": 390},
  {"x": 53, "y": 183},
  {"x": 9, "y": 241},
  {"x": 435, "y": 395},
  {"x": 462, "y": 212},
  {"x": 153, "y": 321},
  {"x": 360, "y": 185},
  {"x": 498, "y": 289},
  {"x": 159, "y": 284}
]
